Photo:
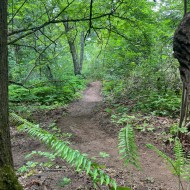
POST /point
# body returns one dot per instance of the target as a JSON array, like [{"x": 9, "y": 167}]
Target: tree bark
[
  {"x": 73, "y": 50},
  {"x": 185, "y": 7},
  {"x": 8, "y": 179},
  {"x": 81, "y": 50},
  {"x": 74, "y": 57},
  {"x": 77, "y": 59},
  {"x": 181, "y": 47}
]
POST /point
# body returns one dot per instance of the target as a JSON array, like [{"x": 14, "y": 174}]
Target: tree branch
[
  {"x": 28, "y": 46},
  {"x": 43, "y": 25},
  {"x": 185, "y": 7},
  {"x": 17, "y": 12},
  {"x": 47, "y": 37},
  {"x": 17, "y": 83},
  {"x": 35, "y": 65},
  {"x": 58, "y": 21},
  {"x": 90, "y": 21}
]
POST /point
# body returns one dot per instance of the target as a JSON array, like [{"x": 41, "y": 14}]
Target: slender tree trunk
[
  {"x": 185, "y": 7},
  {"x": 73, "y": 50},
  {"x": 48, "y": 73},
  {"x": 74, "y": 57},
  {"x": 81, "y": 51},
  {"x": 8, "y": 180}
]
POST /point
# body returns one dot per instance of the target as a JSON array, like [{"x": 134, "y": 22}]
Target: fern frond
[
  {"x": 48, "y": 155},
  {"x": 186, "y": 169},
  {"x": 62, "y": 150},
  {"x": 127, "y": 146},
  {"x": 179, "y": 157},
  {"x": 161, "y": 154},
  {"x": 179, "y": 162},
  {"x": 181, "y": 165}
]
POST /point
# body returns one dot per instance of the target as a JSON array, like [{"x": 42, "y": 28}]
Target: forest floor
[{"x": 90, "y": 130}]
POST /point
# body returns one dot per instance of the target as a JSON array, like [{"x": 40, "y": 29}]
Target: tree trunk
[
  {"x": 81, "y": 51},
  {"x": 48, "y": 73},
  {"x": 181, "y": 47},
  {"x": 8, "y": 179},
  {"x": 185, "y": 7},
  {"x": 76, "y": 62},
  {"x": 74, "y": 57}
]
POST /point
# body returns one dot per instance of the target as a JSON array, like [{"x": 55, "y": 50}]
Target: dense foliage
[
  {"x": 47, "y": 93},
  {"x": 56, "y": 48},
  {"x": 128, "y": 45},
  {"x": 141, "y": 67}
]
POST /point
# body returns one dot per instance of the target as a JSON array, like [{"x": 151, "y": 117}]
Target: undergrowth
[
  {"x": 62, "y": 150},
  {"x": 127, "y": 146},
  {"x": 161, "y": 103},
  {"x": 180, "y": 165},
  {"x": 121, "y": 116},
  {"x": 47, "y": 93}
]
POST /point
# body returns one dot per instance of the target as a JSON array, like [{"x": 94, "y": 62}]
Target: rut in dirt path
[{"x": 90, "y": 138}]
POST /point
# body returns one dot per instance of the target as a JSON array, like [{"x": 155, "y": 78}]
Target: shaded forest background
[{"x": 56, "y": 48}]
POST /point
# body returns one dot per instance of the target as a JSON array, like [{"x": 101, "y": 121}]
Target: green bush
[
  {"x": 46, "y": 93},
  {"x": 19, "y": 94},
  {"x": 158, "y": 102},
  {"x": 167, "y": 104}
]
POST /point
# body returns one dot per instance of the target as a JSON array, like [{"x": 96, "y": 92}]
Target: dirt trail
[
  {"x": 90, "y": 138},
  {"x": 84, "y": 121}
]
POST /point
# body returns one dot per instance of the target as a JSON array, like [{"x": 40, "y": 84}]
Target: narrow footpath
[{"x": 88, "y": 127}]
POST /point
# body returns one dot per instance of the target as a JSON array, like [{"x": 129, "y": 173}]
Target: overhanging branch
[
  {"x": 17, "y": 12},
  {"x": 58, "y": 21}
]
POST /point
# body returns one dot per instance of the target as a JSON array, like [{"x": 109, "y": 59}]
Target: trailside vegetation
[{"x": 50, "y": 50}]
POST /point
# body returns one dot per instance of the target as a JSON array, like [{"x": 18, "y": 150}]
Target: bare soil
[{"x": 91, "y": 133}]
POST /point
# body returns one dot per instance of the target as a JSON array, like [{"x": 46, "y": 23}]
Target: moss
[{"x": 8, "y": 179}]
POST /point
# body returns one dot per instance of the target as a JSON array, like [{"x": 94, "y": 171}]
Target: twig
[{"x": 17, "y": 12}]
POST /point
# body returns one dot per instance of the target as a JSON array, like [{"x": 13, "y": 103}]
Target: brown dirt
[{"x": 92, "y": 133}]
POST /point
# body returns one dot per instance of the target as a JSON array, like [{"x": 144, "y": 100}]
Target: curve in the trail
[
  {"x": 88, "y": 137},
  {"x": 79, "y": 121}
]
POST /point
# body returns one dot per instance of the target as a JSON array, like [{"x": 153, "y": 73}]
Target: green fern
[
  {"x": 61, "y": 149},
  {"x": 179, "y": 157},
  {"x": 180, "y": 165},
  {"x": 186, "y": 169},
  {"x": 176, "y": 164},
  {"x": 127, "y": 146},
  {"x": 47, "y": 155},
  {"x": 161, "y": 154}
]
